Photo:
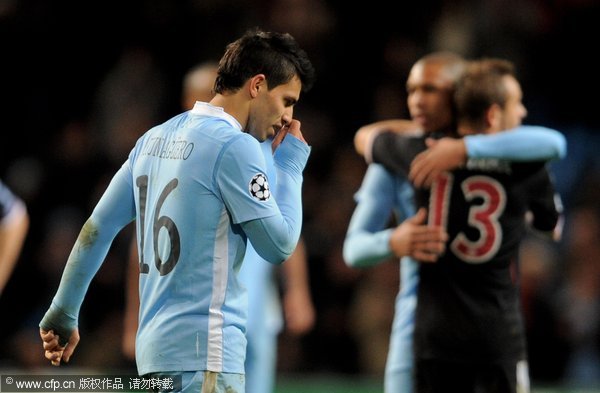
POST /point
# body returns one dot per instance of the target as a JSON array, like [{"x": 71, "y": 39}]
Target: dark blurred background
[{"x": 80, "y": 81}]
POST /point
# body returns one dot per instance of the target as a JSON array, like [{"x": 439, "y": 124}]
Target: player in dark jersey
[{"x": 469, "y": 331}]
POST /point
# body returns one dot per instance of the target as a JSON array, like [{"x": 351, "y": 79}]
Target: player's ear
[
  {"x": 257, "y": 83},
  {"x": 493, "y": 117}
]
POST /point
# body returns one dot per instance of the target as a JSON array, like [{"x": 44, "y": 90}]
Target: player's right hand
[
  {"x": 441, "y": 155},
  {"x": 54, "y": 351},
  {"x": 413, "y": 237},
  {"x": 293, "y": 128}
]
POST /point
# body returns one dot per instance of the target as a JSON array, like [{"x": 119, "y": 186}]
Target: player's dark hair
[
  {"x": 276, "y": 55},
  {"x": 480, "y": 87}
]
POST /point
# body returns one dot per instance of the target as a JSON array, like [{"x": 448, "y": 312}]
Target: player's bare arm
[
  {"x": 298, "y": 307},
  {"x": 13, "y": 232}
]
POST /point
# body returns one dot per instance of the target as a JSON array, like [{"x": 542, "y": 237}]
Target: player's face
[
  {"x": 514, "y": 111},
  {"x": 273, "y": 108},
  {"x": 430, "y": 96}
]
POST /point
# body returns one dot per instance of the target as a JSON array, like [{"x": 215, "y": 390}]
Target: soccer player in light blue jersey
[
  {"x": 260, "y": 278},
  {"x": 197, "y": 187},
  {"x": 384, "y": 193}
]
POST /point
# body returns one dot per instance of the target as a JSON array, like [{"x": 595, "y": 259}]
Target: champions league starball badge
[{"x": 259, "y": 187}]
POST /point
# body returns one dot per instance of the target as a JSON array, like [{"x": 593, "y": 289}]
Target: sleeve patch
[{"x": 259, "y": 187}]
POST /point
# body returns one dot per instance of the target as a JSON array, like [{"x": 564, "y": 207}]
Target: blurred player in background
[
  {"x": 387, "y": 192},
  {"x": 384, "y": 195},
  {"x": 14, "y": 225},
  {"x": 469, "y": 333}
]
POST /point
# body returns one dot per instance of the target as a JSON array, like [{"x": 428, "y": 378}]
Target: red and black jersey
[{"x": 468, "y": 301}]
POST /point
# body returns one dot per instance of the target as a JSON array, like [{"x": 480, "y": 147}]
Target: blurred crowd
[{"x": 85, "y": 80}]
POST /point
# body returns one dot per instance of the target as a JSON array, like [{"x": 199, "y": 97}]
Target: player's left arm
[
  {"x": 367, "y": 240},
  {"x": 524, "y": 143},
  {"x": 114, "y": 210}
]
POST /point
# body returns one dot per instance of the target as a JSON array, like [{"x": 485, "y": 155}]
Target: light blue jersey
[
  {"x": 200, "y": 305},
  {"x": 265, "y": 319},
  {"x": 199, "y": 188},
  {"x": 382, "y": 194}
]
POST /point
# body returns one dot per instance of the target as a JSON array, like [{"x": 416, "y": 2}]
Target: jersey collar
[{"x": 206, "y": 109}]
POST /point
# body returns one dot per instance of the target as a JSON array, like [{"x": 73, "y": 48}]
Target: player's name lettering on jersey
[
  {"x": 489, "y": 165},
  {"x": 171, "y": 149}
]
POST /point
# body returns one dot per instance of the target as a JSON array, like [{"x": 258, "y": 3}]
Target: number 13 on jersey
[{"x": 482, "y": 216}]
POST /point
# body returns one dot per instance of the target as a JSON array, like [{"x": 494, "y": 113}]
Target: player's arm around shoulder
[
  {"x": 524, "y": 143},
  {"x": 363, "y": 138}
]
